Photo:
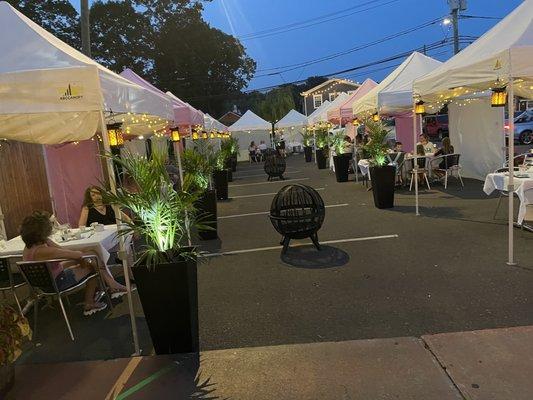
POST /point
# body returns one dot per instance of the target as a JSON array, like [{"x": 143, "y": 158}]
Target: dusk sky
[{"x": 352, "y": 23}]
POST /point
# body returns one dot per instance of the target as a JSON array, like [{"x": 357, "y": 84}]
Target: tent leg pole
[
  {"x": 122, "y": 245},
  {"x": 510, "y": 187},
  {"x": 314, "y": 145},
  {"x": 415, "y": 161},
  {"x": 180, "y": 169}
]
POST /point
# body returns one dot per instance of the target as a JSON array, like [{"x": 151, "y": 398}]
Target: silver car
[{"x": 523, "y": 127}]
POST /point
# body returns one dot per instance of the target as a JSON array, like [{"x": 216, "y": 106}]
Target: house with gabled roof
[{"x": 329, "y": 90}]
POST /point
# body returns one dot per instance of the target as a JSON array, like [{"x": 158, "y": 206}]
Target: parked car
[
  {"x": 523, "y": 127},
  {"x": 436, "y": 126}
]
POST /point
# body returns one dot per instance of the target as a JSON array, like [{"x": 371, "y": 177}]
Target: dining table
[
  {"x": 523, "y": 187},
  {"x": 101, "y": 240}
]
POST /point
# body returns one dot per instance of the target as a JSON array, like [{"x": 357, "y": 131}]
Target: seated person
[
  {"x": 398, "y": 147},
  {"x": 262, "y": 146},
  {"x": 252, "y": 150},
  {"x": 35, "y": 232},
  {"x": 94, "y": 210},
  {"x": 348, "y": 145},
  {"x": 446, "y": 149},
  {"x": 429, "y": 148}
]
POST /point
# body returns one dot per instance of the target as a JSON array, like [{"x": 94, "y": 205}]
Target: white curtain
[{"x": 477, "y": 133}]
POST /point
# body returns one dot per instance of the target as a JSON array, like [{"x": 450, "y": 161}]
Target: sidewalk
[{"x": 488, "y": 364}]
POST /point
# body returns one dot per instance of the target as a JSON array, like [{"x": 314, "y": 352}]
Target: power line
[
  {"x": 309, "y": 23},
  {"x": 292, "y": 67}
]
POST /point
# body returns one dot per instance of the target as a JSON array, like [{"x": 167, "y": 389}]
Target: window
[
  {"x": 317, "y": 100},
  {"x": 332, "y": 96}
]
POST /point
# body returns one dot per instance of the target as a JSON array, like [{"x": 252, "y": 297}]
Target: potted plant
[
  {"x": 198, "y": 167},
  {"x": 307, "y": 138},
  {"x": 341, "y": 160},
  {"x": 220, "y": 175},
  {"x": 233, "y": 144},
  {"x": 14, "y": 333},
  {"x": 165, "y": 271},
  {"x": 226, "y": 148},
  {"x": 322, "y": 149},
  {"x": 381, "y": 174}
]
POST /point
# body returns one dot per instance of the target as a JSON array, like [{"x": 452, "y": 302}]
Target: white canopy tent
[
  {"x": 250, "y": 127},
  {"x": 394, "y": 94},
  {"x": 337, "y": 103},
  {"x": 292, "y": 125},
  {"x": 501, "y": 58},
  {"x": 211, "y": 124},
  {"x": 313, "y": 117},
  {"x": 51, "y": 93}
]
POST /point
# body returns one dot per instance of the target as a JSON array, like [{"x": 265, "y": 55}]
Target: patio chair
[
  {"x": 451, "y": 165},
  {"x": 503, "y": 192},
  {"x": 397, "y": 160},
  {"x": 39, "y": 277},
  {"x": 9, "y": 280},
  {"x": 421, "y": 161}
]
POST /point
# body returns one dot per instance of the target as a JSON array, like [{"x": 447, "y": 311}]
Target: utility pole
[
  {"x": 455, "y": 7},
  {"x": 85, "y": 30}
]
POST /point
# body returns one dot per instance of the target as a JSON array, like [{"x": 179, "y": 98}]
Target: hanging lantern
[
  {"x": 375, "y": 117},
  {"x": 420, "y": 108},
  {"x": 175, "y": 135},
  {"x": 356, "y": 122},
  {"x": 195, "y": 136},
  {"x": 204, "y": 135},
  {"x": 212, "y": 135},
  {"x": 115, "y": 135},
  {"x": 498, "y": 97}
]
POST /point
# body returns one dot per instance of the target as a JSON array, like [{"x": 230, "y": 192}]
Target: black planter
[
  {"x": 234, "y": 163},
  {"x": 321, "y": 158},
  {"x": 230, "y": 174},
  {"x": 308, "y": 151},
  {"x": 169, "y": 297},
  {"x": 221, "y": 184},
  {"x": 383, "y": 185},
  {"x": 207, "y": 208},
  {"x": 342, "y": 165},
  {"x": 7, "y": 379}
]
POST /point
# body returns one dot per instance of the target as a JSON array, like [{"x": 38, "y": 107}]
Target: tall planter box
[
  {"x": 342, "y": 165},
  {"x": 221, "y": 184},
  {"x": 169, "y": 296},
  {"x": 308, "y": 151},
  {"x": 230, "y": 174},
  {"x": 234, "y": 163},
  {"x": 383, "y": 179},
  {"x": 207, "y": 207},
  {"x": 321, "y": 158}
]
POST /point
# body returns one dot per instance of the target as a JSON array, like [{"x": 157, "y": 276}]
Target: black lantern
[
  {"x": 498, "y": 97},
  {"x": 420, "y": 107},
  {"x": 115, "y": 134},
  {"x": 297, "y": 212}
]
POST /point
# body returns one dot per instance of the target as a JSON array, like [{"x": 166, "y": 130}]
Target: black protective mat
[{"x": 310, "y": 257}]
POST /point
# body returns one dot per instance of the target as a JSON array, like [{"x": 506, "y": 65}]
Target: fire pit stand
[
  {"x": 275, "y": 166},
  {"x": 297, "y": 212}
]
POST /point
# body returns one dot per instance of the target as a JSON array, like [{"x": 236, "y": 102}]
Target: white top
[
  {"x": 250, "y": 122},
  {"x": 292, "y": 119},
  {"x": 505, "y": 50}
]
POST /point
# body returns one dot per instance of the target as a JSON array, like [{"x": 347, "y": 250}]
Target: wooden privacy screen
[{"x": 23, "y": 183}]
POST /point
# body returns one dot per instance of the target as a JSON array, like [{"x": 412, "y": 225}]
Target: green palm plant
[
  {"x": 198, "y": 165},
  {"x": 307, "y": 137},
  {"x": 322, "y": 138},
  {"x": 337, "y": 142},
  {"x": 162, "y": 216},
  {"x": 376, "y": 147}
]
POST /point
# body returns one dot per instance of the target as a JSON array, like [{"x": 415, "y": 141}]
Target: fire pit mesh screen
[
  {"x": 275, "y": 166},
  {"x": 297, "y": 212}
]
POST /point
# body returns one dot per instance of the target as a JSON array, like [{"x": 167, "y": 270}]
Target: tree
[
  {"x": 202, "y": 66},
  {"x": 121, "y": 37},
  {"x": 58, "y": 17},
  {"x": 277, "y": 103}
]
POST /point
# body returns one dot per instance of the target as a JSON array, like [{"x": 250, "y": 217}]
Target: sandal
[
  {"x": 116, "y": 293},
  {"x": 94, "y": 309}
]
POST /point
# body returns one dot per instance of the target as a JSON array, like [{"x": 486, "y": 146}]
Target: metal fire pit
[
  {"x": 275, "y": 166},
  {"x": 297, "y": 212}
]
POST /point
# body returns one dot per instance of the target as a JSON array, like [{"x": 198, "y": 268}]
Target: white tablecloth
[
  {"x": 101, "y": 242},
  {"x": 523, "y": 189}
]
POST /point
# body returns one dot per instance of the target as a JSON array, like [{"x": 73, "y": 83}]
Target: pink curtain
[
  {"x": 404, "y": 131},
  {"x": 71, "y": 169}
]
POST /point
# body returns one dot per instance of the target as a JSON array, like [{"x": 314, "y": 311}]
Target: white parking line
[
  {"x": 263, "y": 194},
  {"x": 263, "y": 174},
  {"x": 268, "y": 212},
  {"x": 361, "y": 239},
  {"x": 266, "y": 183}
]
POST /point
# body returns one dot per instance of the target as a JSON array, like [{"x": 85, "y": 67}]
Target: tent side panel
[
  {"x": 404, "y": 131},
  {"x": 477, "y": 133},
  {"x": 23, "y": 183},
  {"x": 71, "y": 169}
]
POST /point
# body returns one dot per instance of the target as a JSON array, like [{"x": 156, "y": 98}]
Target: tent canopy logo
[{"x": 71, "y": 92}]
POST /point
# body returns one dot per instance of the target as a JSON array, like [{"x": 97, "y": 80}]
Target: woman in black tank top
[{"x": 94, "y": 210}]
